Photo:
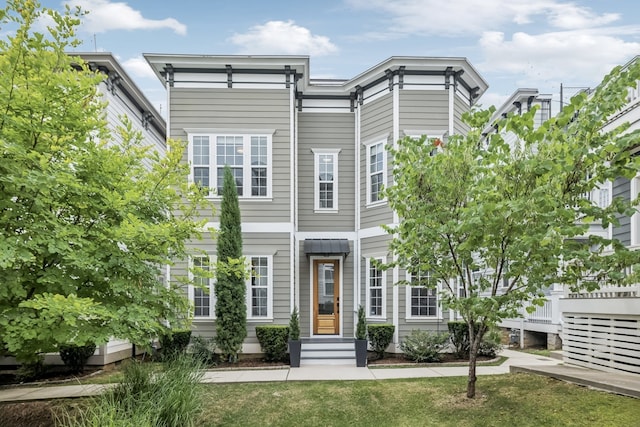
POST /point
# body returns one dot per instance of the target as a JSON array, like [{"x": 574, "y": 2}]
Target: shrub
[
  {"x": 75, "y": 357},
  {"x": 380, "y": 336},
  {"x": 424, "y": 346},
  {"x": 203, "y": 350},
  {"x": 174, "y": 343},
  {"x": 491, "y": 343},
  {"x": 459, "y": 333},
  {"x": 31, "y": 370},
  {"x": 273, "y": 341},
  {"x": 361, "y": 326},
  {"x": 294, "y": 325}
]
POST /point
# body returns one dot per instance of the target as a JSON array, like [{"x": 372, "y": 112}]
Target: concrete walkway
[{"x": 626, "y": 384}]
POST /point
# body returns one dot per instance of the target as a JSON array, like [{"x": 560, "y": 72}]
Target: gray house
[{"x": 309, "y": 159}]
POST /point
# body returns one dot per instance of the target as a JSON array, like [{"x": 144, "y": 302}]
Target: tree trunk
[{"x": 471, "y": 380}]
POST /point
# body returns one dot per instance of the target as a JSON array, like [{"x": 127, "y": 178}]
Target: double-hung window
[
  {"x": 248, "y": 155},
  {"x": 376, "y": 172},
  {"x": 376, "y": 288},
  {"x": 326, "y": 179},
  {"x": 422, "y": 297},
  {"x": 260, "y": 288},
  {"x": 201, "y": 292}
]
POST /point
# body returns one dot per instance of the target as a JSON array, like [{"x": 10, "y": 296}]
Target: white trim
[
  {"x": 230, "y": 131},
  {"x": 383, "y": 315},
  {"x": 349, "y": 235},
  {"x": 634, "y": 221},
  {"x": 382, "y": 137},
  {"x": 368, "y": 201},
  {"x": 356, "y": 243},
  {"x": 317, "y": 152},
  {"x": 452, "y": 88},
  {"x": 248, "y": 295},
  {"x": 340, "y": 260},
  {"x": 430, "y": 133},
  {"x": 396, "y": 128},
  {"x": 257, "y": 227},
  {"x": 376, "y": 231},
  {"x": 293, "y": 173}
]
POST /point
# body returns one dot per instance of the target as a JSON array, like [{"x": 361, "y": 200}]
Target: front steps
[{"x": 327, "y": 351}]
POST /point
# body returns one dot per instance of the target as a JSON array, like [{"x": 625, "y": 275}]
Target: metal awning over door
[{"x": 326, "y": 247}]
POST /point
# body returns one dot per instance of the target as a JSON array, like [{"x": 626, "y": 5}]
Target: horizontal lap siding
[
  {"x": 622, "y": 188},
  {"x": 460, "y": 106},
  {"x": 424, "y": 110},
  {"x": 241, "y": 109},
  {"x": 324, "y": 130},
  {"x": 275, "y": 244},
  {"x": 376, "y": 121}
]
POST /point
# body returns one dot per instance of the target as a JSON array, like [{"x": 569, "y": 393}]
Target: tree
[
  {"x": 85, "y": 227},
  {"x": 507, "y": 221},
  {"x": 231, "y": 308}
]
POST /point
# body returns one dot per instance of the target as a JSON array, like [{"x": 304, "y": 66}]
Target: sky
[{"x": 512, "y": 43}]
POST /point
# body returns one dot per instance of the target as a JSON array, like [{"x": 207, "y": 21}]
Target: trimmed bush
[
  {"x": 361, "y": 326},
  {"x": 459, "y": 332},
  {"x": 294, "y": 325},
  {"x": 273, "y": 341},
  {"x": 380, "y": 336},
  {"x": 424, "y": 346},
  {"x": 174, "y": 343},
  {"x": 75, "y": 357},
  {"x": 203, "y": 350}
]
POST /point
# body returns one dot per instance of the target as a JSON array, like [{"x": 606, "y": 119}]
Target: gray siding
[
  {"x": 240, "y": 109},
  {"x": 376, "y": 120},
  {"x": 326, "y": 130},
  {"x": 424, "y": 109},
  {"x": 275, "y": 244},
  {"x": 346, "y": 298},
  {"x": 460, "y": 106},
  {"x": 622, "y": 188}
]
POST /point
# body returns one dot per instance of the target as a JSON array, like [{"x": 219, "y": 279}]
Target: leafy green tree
[
  {"x": 85, "y": 227},
  {"x": 508, "y": 220},
  {"x": 231, "y": 308}
]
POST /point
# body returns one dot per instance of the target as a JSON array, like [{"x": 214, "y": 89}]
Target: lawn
[{"x": 504, "y": 400}]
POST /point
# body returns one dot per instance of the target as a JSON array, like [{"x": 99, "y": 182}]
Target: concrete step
[
  {"x": 328, "y": 354},
  {"x": 326, "y": 346},
  {"x": 327, "y": 351}
]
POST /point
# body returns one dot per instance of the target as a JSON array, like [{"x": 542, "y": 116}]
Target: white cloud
[
  {"x": 565, "y": 55},
  {"x": 465, "y": 17},
  {"x": 105, "y": 16},
  {"x": 138, "y": 67},
  {"x": 280, "y": 37}
]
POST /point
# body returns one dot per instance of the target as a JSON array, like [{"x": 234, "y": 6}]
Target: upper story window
[
  {"x": 376, "y": 172},
  {"x": 248, "y": 156},
  {"x": 326, "y": 179}
]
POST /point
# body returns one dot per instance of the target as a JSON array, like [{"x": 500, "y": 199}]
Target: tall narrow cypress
[{"x": 231, "y": 310}]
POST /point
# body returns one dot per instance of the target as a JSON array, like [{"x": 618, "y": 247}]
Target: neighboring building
[
  {"x": 601, "y": 329},
  {"x": 309, "y": 159}
]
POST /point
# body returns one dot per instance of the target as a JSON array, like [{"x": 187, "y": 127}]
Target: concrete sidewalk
[{"x": 620, "y": 383}]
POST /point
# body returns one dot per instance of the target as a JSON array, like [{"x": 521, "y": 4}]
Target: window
[
  {"x": 376, "y": 288},
  {"x": 422, "y": 300},
  {"x": 201, "y": 294},
  {"x": 326, "y": 179},
  {"x": 248, "y": 156},
  {"x": 260, "y": 288},
  {"x": 376, "y": 172}
]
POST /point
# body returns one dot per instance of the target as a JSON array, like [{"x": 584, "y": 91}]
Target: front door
[{"x": 326, "y": 300}]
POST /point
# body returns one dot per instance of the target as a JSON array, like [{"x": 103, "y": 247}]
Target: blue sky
[{"x": 513, "y": 43}]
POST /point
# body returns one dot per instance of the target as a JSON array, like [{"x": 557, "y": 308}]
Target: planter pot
[
  {"x": 361, "y": 353},
  {"x": 294, "y": 353}
]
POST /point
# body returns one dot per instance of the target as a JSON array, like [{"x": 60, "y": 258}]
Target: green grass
[
  {"x": 499, "y": 361},
  {"x": 537, "y": 352},
  {"x": 503, "y": 400}
]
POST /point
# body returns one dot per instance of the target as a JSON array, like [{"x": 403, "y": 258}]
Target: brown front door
[{"x": 326, "y": 300}]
